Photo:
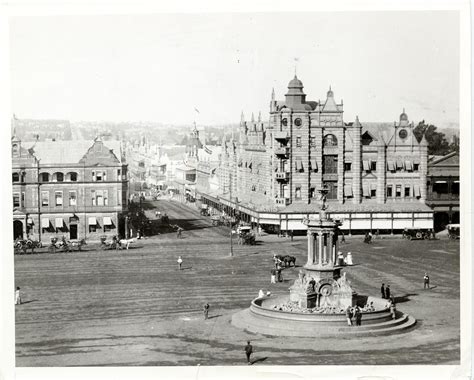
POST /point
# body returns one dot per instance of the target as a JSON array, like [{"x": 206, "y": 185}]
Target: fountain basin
[{"x": 262, "y": 318}]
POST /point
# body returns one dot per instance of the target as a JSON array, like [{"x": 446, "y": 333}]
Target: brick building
[
  {"x": 375, "y": 179},
  {"x": 77, "y": 190}
]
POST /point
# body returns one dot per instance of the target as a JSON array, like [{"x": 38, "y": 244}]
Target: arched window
[
  {"x": 44, "y": 177},
  {"x": 15, "y": 148},
  {"x": 15, "y": 177},
  {"x": 58, "y": 177},
  {"x": 330, "y": 140},
  {"x": 72, "y": 176}
]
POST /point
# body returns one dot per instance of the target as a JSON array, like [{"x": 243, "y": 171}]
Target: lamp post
[
  {"x": 39, "y": 201},
  {"x": 230, "y": 198}
]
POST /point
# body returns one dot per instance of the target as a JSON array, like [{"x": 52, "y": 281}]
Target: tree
[{"x": 437, "y": 143}]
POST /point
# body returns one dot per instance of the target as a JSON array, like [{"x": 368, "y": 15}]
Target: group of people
[{"x": 354, "y": 315}]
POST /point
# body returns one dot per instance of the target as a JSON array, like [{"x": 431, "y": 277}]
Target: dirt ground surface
[{"x": 135, "y": 308}]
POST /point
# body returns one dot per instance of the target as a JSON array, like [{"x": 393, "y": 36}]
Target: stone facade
[
  {"x": 307, "y": 144},
  {"x": 77, "y": 190}
]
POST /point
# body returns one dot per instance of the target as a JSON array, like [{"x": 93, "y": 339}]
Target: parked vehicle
[
  {"x": 246, "y": 236},
  {"x": 417, "y": 233},
  {"x": 454, "y": 231}
]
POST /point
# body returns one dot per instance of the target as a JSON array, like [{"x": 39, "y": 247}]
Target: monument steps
[{"x": 248, "y": 321}]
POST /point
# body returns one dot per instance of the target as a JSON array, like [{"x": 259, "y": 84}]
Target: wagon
[
  {"x": 454, "y": 231},
  {"x": 246, "y": 236},
  {"x": 416, "y": 233}
]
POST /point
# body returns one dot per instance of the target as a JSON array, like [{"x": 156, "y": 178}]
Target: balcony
[
  {"x": 282, "y": 201},
  {"x": 281, "y": 135},
  {"x": 282, "y": 175},
  {"x": 282, "y": 151}
]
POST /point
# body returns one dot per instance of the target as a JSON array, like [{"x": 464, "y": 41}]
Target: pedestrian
[
  {"x": 273, "y": 276},
  {"x": 291, "y": 235},
  {"x": 382, "y": 290},
  {"x": 180, "y": 262},
  {"x": 358, "y": 316},
  {"x": 377, "y": 234},
  {"x": 387, "y": 292},
  {"x": 248, "y": 351},
  {"x": 17, "y": 296},
  {"x": 206, "y": 311},
  {"x": 343, "y": 239},
  {"x": 393, "y": 310},
  {"x": 261, "y": 293},
  {"x": 178, "y": 232},
  {"x": 426, "y": 281},
  {"x": 259, "y": 229},
  {"x": 349, "y": 315},
  {"x": 280, "y": 277}
]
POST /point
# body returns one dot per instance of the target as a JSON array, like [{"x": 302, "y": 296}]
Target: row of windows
[
  {"x": 393, "y": 191},
  {"x": 328, "y": 140},
  {"x": 97, "y": 176},
  {"x": 98, "y": 198}
]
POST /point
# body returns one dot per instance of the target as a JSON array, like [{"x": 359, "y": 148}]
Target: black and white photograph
[{"x": 250, "y": 193}]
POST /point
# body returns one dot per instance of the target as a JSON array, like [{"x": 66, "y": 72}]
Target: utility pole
[
  {"x": 230, "y": 198},
  {"x": 39, "y": 200}
]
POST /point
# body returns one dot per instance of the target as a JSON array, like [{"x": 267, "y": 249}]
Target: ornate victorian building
[
  {"x": 376, "y": 178},
  {"x": 76, "y": 190}
]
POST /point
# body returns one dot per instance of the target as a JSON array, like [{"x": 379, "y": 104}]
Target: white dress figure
[
  {"x": 261, "y": 294},
  {"x": 349, "y": 259}
]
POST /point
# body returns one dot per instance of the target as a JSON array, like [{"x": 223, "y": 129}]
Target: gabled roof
[
  {"x": 451, "y": 159},
  {"x": 67, "y": 152}
]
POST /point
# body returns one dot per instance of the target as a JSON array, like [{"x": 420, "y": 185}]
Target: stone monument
[{"x": 320, "y": 283}]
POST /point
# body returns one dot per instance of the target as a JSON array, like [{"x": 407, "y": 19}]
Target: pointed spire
[
  {"x": 330, "y": 93},
  {"x": 273, "y": 93},
  {"x": 424, "y": 141},
  {"x": 253, "y": 118},
  {"x": 259, "y": 117},
  {"x": 242, "y": 117}
]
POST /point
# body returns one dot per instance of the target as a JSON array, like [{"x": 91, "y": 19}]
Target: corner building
[
  {"x": 376, "y": 178},
  {"x": 73, "y": 189}
]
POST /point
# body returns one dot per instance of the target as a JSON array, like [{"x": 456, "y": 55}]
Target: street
[{"x": 134, "y": 307}]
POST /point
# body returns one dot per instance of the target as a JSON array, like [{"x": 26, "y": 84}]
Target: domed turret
[
  {"x": 403, "y": 116},
  {"x": 295, "y": 96}
]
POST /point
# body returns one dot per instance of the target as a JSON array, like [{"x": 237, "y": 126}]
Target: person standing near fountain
[
  {"x": 349, "y": 315},
  {"x": 248, "y": 351},
  {"x": 382, "y": 290},
  {"x": 206, "y": 311},
  {"x": 180, "y": 262},
  {"x": 387, "y": 292},
  {"x": 358, "y": 316}
]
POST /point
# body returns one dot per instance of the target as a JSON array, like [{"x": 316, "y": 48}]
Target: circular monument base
[{"x": 263, "y": 318}]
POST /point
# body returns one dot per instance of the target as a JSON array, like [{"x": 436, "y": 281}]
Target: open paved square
[{"x": 119, "y": 308}]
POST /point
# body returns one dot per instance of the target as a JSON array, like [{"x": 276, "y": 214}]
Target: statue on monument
[{"x": 323, "y": 202}]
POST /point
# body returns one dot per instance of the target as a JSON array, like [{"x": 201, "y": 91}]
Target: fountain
[{"x": 320, "y": 295}]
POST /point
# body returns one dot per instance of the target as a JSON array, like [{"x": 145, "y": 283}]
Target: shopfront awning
[
  {"x": 314, "y": 165},
  {"x": 59, "y": 222},
  {"x": 399, "y": 164},
  {"x": 298, "y": 164},
  {"x": 391, "y": 166},
  {"x": 408, "y": 165},
  {"x": 92, "y": 221},
  {"x": 45, "y": 223},
  {"x": 366, "y": 165},
  {"x": 416, "y": 190},
  {"x": 366, "y": 191},
  {"x": 107, "y": 221},
  {"x": 30, "y": 221}
]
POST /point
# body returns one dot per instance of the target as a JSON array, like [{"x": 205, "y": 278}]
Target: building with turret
[{"x": 375, "y": 178}]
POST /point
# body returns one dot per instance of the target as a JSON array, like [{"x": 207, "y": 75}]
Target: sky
[{"x": 161, "y": 67}]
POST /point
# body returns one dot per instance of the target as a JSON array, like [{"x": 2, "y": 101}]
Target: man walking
[
  {"x": 387, "y": 292},
  {"x": 248, "y": 351},
  {"x": 426, "y": 281},
  {"x": 358, "y": 316},
  {"x": 17, "y": 296},
  {"x": 180, "y": 262},
  {"x": 206, "y": 311},
  {"x": 382, "y": 290}
]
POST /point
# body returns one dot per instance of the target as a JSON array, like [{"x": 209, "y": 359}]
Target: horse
[
  {"x": 125, "y": 243},
  {"x": 288, "y": 260}
]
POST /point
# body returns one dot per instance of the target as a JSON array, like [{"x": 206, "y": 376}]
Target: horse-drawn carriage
[
  {"x": 417, "y": 233},
  {"x": 64, "y": 245},
  {"x": 454, "y": 231},
  {"x": 246, "y": 236},
  {"x": 22, "y": 245},
  {"x": 115, "y": 243}
]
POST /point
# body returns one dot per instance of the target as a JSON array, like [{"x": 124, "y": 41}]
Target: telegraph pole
[{"x": 230, "y": 197}]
